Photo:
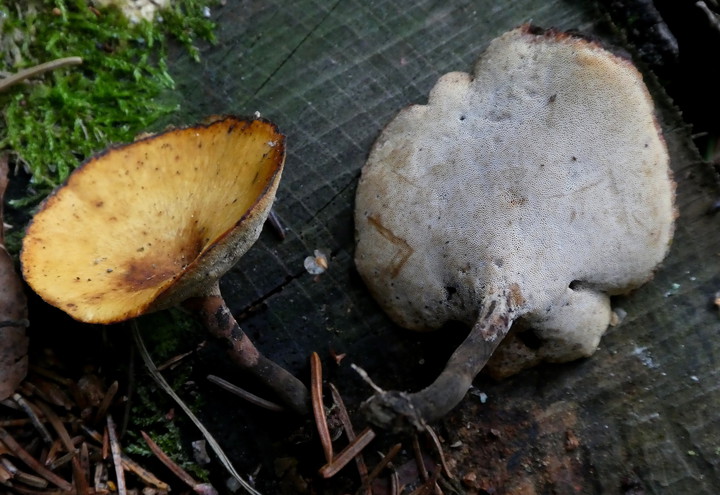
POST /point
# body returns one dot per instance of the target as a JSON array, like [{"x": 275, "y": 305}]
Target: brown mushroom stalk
[
  {"x": 220, "y": 322},
  {"x": 152, "y": 224},
  {"x": 523, "y": 195},
  {"x": 400, "y": 410}
]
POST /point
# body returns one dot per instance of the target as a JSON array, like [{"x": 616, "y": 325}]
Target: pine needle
[{"x": 160, "y": 380}]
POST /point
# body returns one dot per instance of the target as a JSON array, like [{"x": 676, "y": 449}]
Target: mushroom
[
  {"x": 155, "y": 223},
  {"x": 532, "y": 190}
]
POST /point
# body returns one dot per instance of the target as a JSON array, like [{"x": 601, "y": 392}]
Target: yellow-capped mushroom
[{"x": 151, "y": 224}]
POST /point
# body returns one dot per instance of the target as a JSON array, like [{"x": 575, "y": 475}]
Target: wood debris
[
  {"x": 413, "y": 475},
  {"x": 48, "y": 444},
  {"x": 199, "y": 488}
]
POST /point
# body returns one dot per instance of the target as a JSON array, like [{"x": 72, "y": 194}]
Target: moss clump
[
  {"x": 54, "y": 123},
  {"x": 162, "y": 428},
  {"x": 167, "y": 333}
]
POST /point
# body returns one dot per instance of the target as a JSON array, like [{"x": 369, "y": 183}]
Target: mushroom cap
[
  {"x": 146, "y": 225},
  {"x": 546, "y": 171}
]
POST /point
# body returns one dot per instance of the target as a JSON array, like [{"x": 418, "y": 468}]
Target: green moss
[
  {"x": 54, "y": 123},
  {"x": 166, "y": 334},
  {"x": 146, "y": 415},
  {"x": 13, "y": 241},
  {"x": 169, "y": 333}
]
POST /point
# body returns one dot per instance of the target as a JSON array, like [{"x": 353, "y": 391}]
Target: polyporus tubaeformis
[
  {"x": 155, "y": 223},
  {"x": 533, "y": 189}
]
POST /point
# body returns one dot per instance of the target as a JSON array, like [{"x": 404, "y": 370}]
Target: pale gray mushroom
[{"x": 533, "y": 190}]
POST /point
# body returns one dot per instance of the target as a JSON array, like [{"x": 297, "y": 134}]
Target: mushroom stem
[
  {"x": 401, "y": 411},
  {"x": 218, "y": 319}
]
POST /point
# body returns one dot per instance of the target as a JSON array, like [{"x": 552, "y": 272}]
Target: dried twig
[
  {"x": 31, "y": 480},
  {"x": 61, "y": 461},
  {"x": 7, "y": 423},
  {"x": 25, "y": 405},
  {"x": 52, "y": 454},
  {"x": 50, "y": 374},
  {"x": 176, "y": 359},
  {"x": 30, "y": 461},
  {"x": 383, "y": 463},
  {"x": 240, "y": 392},
  {"x": 80, "y": 475},
  {"x": 83, "y": 469},
  {"x": 142, "y": 473},
  {"x": 85, "y": 458},
  {"x": 318, "y": 407},
  {"x": 99, "y": 475},
  {"x": 422, "y": 469},
  {"x": 106, "y": 401},
  {"x": 441, "y": 454},
  {"x": 160, "y": 380},
  {"x": 92, "y": 434},
  {"x": 430, "y": 484},
  {"x": 105, "y": 444},
  {"x": 59, "y": 427},
  {"x": 49, "y": 392},
  {"x": 172, "y": 466},
  {"x": 394, "y": 483},
  {"x": 116, "y": 455},
  {"x": 199, "y": 488},
  {"x": 419, "y": 461},
  {"x": 350, "y": 432},
  {"x": 37, "y": 70},
  {"x": 5, "y": 475},
  {"x": 366, "y": 378},
  {"x": 342, "y": 412},
  {"x": 274, "y": 220},
  {"x": 10, "y": 471},
  {"x": 9, "y": 466},
  {"x": 347, "y": 454},
  {"x": 10, "y": 404}
]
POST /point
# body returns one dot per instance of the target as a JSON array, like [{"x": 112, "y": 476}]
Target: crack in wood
[
  {"x": 292, "y": 52},
  {"x": 254, "y": 306},
  {"x": 340, "y": 192}
]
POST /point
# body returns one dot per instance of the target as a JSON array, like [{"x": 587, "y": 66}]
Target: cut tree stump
[{"x": 641, "y": 416}]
